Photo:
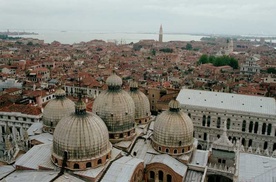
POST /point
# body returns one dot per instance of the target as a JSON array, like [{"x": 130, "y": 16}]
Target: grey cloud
[{"x": 219, "y": 16}]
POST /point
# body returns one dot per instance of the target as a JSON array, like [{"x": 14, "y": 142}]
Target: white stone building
[
  {"x": 18, "y": 118},
  {"x": 250, "y": 66},
  {"x": 250, "y": 119}
]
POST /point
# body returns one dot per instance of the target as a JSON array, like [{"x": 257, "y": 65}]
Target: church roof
[
  {"x": 35, "y": 156},
  {"x": 171, "y": 162},
  {"x": 121, "y": 170}
]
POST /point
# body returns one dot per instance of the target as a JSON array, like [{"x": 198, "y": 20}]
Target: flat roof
[
  {"x": 227, "y": 101},
  {"x": 256, "y": 168}
]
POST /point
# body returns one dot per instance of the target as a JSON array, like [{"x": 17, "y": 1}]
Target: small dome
[
  {"x": 174, "y": 105},
  {"x": 114, "y": 80},
  {"x": 142, "y": 105},
  {"x": 60, "y": 92},
  {"x": 56, "y": 109},
  {"x": 84, "y": 137},
  {"x": 133, "y": 85},
  {"x": 173, "y": 128}
]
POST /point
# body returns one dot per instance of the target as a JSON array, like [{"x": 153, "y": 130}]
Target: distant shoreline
[{"x": 18, "y": 33}]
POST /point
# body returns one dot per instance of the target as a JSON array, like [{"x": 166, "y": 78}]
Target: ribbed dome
[
  {"x": 57, "y": 108},
  {"x": 114, "y": 80},
  {"x": 116, "y": 109},
  {"x": 141, "y": 101},
  {"x": 173, "y": 128},
  {"x": 83, "y": 135}
]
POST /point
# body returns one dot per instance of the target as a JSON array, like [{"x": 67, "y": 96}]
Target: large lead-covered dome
[
  {"x": 142, "y": 105},
  {"x": 117, "y": 109},
  {"x": 83, "y": 138},
  {"x": 56, "y": 109},
  {"x": 173, "y": 131}
]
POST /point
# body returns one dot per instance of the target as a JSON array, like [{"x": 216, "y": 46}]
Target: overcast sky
[{"x": 187, "y": 16}]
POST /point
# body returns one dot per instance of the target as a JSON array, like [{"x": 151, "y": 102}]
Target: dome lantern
[{"x": 114, "y": 82}]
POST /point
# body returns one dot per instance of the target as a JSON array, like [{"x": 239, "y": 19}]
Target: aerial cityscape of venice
[{"x": 137, "y": 91}]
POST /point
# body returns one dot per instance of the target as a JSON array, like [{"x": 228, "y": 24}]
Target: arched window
[
  {"x": 121, "y": 135},
  {"x": 250, "y": 126},
  {"x": 234, "y": 140},
  {"x": 256, "y": 127},
  {"x": 76, "y": 166},
  {"x": 159, "y": 148},
  {"x": 250, "y": 143},
  {"x": 160, "y": 175},
  {"x": 243, "y": 142},
  {"x": 203, "y": 120},
  {"x": 218, "y": 122},
  {"x": 264, "y": 128},
  {"x": 169, "y": 178},
  {"x": 218, "y": 136},
  {"x": 167, "y": 150},
  {"x": 269, "y": 129},
  {"x": 88, "y": 164},
  {"x": 189, "y": 114},
  {"x": 175, "y": 151},
  {"x": 107, "y": 157},
  {"x": 228, "y": 123},
  {"x": 208, "y": 121},
  {"x": 152, "y": 175},
  {"x": 265, "y": 145},
  {"x": 99, "y": 161},
  {"x": 179, "y": 143},
  {"x": 243, "y": 125},
  {"x": 205, "y": 136}
]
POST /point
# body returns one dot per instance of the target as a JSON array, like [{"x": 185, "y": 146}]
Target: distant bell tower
[{"x": 161, "y": 34}]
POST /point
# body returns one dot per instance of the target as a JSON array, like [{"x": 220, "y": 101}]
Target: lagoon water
[{"x": 70, "y": 37}]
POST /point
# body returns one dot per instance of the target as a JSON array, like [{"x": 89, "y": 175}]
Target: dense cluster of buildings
[{"x": 98, "y": 111}]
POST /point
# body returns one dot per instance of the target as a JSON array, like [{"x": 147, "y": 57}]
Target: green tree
[
  {"x": 153, "y": 52},
  {"x": 189, "y": 46},
  {"x": 271, "y": 70},
  {"x": 30, "y": 44},
  {"x": 203, "y": 59}
]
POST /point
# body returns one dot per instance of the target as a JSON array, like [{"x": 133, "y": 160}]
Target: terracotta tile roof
[{"x": 24, "y": 109}]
